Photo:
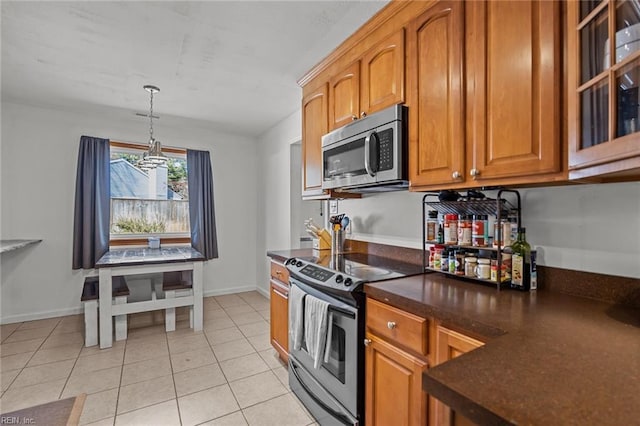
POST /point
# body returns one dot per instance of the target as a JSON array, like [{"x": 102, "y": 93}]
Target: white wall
[
  {"x": 39, "y": 154},
  {"x": 594, "y": 228},
  {"x": 274, "y": 219}
]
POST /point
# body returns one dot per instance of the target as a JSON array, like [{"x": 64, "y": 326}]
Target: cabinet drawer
[
  {"x": 279, "y": 272},
  {"x": 402, "y": 327}
]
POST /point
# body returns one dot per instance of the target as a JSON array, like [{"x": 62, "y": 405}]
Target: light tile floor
[{"x": 227, "y": 374}]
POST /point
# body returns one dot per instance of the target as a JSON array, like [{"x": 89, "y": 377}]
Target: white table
[{"x": 118, "y": 262}]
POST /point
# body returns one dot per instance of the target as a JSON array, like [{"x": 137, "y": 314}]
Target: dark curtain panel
[
  {"x": 202, "y": 215},
  {"x": 91, "y": 216}
]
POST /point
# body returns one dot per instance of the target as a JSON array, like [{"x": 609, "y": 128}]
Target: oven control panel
[{"x": 322, "y": 276}]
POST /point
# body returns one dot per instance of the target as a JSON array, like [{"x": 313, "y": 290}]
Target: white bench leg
[
  {"x": 121, "y": 320},
  {"x": 91, "y": 323},
  {"x": 170, "y": 319}
]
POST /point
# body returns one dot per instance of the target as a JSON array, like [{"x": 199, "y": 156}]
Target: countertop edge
[{"x": 459, "y": 403}]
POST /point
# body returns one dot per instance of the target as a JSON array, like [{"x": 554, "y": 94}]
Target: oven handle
[
  {"x": 342, "y": 311},
  {"x": 373, "y": 136},
  {"x": 344, "y": 419}
]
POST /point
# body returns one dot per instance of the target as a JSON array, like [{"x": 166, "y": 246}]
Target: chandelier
[{"x": 153, "y": 157}]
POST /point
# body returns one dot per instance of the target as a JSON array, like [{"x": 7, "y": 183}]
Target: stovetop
[{"x": 350, "y": 271}]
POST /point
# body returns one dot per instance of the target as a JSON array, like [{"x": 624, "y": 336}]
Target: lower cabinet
[
  {"x": 393, "y": 391},
  {"x": 395, "y": 358},
  {"x": 279, "y": 309},
  {"x": 279, "y": 299},
  {"x": 451, "y": 344},
  {"x": 400, "y": 347}
]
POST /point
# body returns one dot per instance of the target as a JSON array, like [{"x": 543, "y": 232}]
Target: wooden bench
[
  {"x": 177, "y": 284},
  {"x": 90, "y": 296}
]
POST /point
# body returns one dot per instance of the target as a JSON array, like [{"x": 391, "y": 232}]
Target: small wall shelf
[{"x": 10, "y": 245}]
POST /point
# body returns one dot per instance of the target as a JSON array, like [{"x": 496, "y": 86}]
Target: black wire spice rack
[{"x": 506, "y": 200}]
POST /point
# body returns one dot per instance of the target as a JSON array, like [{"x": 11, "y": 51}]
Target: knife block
[{"x": 323, "y": 242}]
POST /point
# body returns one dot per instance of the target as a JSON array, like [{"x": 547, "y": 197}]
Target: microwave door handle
[{"x": 371, "y": 167}]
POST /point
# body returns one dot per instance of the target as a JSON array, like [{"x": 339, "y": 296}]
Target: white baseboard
[
  {"x": 229, "y": 290},
  {"x": 73, "y": 311},
  {"x": 41, "y": 315}
]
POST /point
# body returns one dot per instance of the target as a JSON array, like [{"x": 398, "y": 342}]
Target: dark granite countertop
[
  {"x": 549, "y": 358},
  {"x": 323, "y": 258},
  {"x": 146, "y": 256}
]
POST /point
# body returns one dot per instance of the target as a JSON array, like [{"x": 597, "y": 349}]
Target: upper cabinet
[
  {"x": 484, "y": 94},
  {"x": 371, "y": 83},
  {"x": 603, "y": 114},
  {"x": 383, "y": 74},
  {"x": 314, "y": 126},
  {"x": 436, "y": 95}
]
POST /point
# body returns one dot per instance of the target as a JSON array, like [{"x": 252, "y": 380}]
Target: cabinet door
[
  {"x": 451, "y": 344},
  {"x": 279, "y": 301},
  {"x": 513, "y": 88},
  {"x": 435, "y": 98},
  {"x": 314, "y": 126},
  {"x": 393, "y": 388},
  {"x": 344, "y": 96},
  {"x": 603, "y": 114},
  {"x": 383, "y": 74}
]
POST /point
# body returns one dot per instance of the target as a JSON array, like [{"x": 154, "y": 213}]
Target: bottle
[
  {"x": 521, "y": 262},
  {"x": 444, "y": 262},
  {"x": 440, "y": 236},
  {"x": 432, "y": 226},
  {"x": 452, "y": 262}
]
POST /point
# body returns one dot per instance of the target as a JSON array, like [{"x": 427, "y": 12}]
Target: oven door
[
  {"x": 369, "y": 157},
  {"x": 338, "y": 376}
]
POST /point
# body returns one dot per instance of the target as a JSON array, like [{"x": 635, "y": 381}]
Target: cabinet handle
[
  {"x": 363, "y": 114},
  {"x": 278, "y": 273},
  {"x": 455, "y": 175},
  {"x": 391, "y": 325},
  {"x": 284, "y": 296},
  {"x": 474, "y": 172},
  {"x": 354, "y": 117},
  {"x": 367, "y": 342}
]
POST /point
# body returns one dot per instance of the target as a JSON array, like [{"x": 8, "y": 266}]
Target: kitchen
[{"x": 585, "y": 227}]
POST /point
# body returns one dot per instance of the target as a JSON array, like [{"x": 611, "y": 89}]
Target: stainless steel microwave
[{"x": 368, "y": 155}]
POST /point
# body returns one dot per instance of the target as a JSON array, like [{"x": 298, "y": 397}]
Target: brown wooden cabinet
[
  {"x": 393, "y": 390},
  {"x": 383, "y": 74},
  {"x": 603, "y": 114},
  {"x": 279, "y": 305},
  {"x": 344, "y": 96},
  {"x": 449, "y": 345},
  {"x": 371, "y": 83},
  {"x": 435, "y": 95},
  {"x": 505, "y": 127},
  {"x": 314, "y": 126},
  {"x": 395, "y": 358}
]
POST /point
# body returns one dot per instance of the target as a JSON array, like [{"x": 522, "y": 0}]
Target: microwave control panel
[{"x": 385, "y": 160}]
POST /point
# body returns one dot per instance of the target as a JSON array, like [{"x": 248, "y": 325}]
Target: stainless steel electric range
[{"x": 334, "y": 392}]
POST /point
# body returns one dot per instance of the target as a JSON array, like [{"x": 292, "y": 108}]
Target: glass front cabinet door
[{"x": 603, "y": 80}]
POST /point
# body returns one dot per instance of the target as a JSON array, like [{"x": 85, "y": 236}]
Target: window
[{"x": 148, "y": 202}]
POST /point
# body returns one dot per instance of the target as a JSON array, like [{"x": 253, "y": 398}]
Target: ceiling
[{"x": 233, "y": 63}]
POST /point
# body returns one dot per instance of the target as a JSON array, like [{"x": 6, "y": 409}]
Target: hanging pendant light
[{"x": 154, "y": 156}]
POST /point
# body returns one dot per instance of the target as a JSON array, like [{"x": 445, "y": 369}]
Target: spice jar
[
  {"x": 432, "y": 226},
  {"x": 459, "y": 263},
  {"x": 483, "y": 270},
  {"x": 478, "y": 230},
  {"x": 470, "y": 264},
  {"x": 464, "y": 230},
  {"x": 450, "y": 228}
]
